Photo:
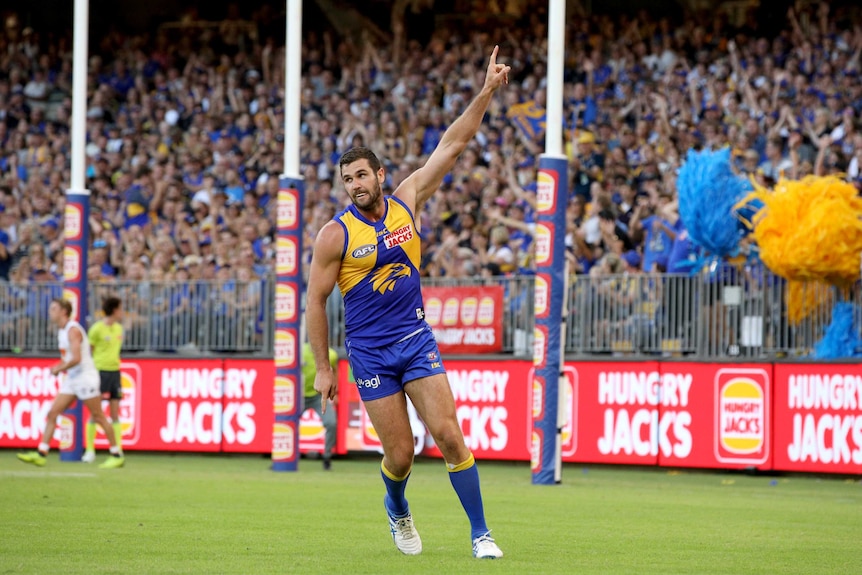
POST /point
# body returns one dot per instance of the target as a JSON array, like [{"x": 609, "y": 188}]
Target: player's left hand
[{"x": 497, "y": 74}]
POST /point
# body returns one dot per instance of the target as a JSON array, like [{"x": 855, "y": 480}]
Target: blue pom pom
[
  {"x": 841, "y": 339},
  {"x": 708, "y": 191}
]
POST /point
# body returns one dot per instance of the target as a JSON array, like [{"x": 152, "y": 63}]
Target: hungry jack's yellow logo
[{"x": 384, "y": 278}]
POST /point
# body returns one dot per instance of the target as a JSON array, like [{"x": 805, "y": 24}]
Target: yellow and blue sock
[
  {"x": 465, "y": 479},
  {"x": 395, "y": 502}
]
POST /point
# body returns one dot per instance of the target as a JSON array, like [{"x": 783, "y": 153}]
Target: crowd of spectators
[{"x": 185, "y": 135}]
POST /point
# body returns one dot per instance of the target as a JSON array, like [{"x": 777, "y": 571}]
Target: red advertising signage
[
  {"x": 181, "y": 404},
  {"x": 818, "y": 418},
  {"x": 27, "y": 390},
  {"x": 167, "y": 405},
  {"x": 195, "y": 405},
  {"x": 673, "y": 414},
  {"x": 568, "y": 400},
  {"x": 715, "y": 415},
  {"x": 465, "y": 319},
  {"x": 646, "y": 413},
  {"x": 617, "y": 419}
]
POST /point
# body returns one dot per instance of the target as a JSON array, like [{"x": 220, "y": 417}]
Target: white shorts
[{"x": 83, "y": 386}]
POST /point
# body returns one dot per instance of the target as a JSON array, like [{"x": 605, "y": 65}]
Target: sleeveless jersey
[
  {"x": 379, "y": 276},
  {"x": 86, "y": 365}
]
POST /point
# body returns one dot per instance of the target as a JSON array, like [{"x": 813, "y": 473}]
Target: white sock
[
  {"x": 44, "y": 448},
  {"x": 114, "y": 450}
]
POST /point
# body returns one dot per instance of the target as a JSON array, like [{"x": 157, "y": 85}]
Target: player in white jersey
[{"x": 81, "y": 381}]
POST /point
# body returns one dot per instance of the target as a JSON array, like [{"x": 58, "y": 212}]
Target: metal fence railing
[
  {"x": 24, "y": 324},
  {"x": 199, "y": 317},
  {"x": 726, "y": 311}
]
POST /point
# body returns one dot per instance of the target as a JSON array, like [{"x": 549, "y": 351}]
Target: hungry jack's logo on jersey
[
  {"x": 384, "y": 278},
  {"x": 398, "y": 237},
  {"x": 742, "y": 397}
]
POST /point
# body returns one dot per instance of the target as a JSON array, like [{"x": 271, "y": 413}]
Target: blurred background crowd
[{"x": 185, "y": 128}]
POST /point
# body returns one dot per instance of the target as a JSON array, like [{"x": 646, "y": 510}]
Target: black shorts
[{"x": 111, "y": 386}]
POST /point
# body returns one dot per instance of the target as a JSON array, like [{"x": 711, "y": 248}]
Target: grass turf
[{"x": 231, "y": 514}]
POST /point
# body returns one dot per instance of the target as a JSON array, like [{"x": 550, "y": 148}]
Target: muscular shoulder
[{"x": 329, "y": 242}]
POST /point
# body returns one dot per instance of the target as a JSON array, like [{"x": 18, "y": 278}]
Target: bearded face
[{"x": 362, "y": 185}]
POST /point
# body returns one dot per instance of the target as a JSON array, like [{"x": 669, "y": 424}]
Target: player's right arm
[
  {"x": 421, "y": 184},
  {"x": 323, "y": 273}
]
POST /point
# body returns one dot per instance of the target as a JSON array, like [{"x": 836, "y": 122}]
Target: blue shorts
[{"x": 383, "y": 371}]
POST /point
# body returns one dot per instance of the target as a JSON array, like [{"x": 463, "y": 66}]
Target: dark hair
[
  {"x": 110, "y": 304},
  {"x": 607, "y": 215},
  {"x": 65, "y": 305},
  {"x": 355, "y": 154}
]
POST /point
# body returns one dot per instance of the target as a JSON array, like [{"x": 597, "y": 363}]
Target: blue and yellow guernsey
[{"x": 379, "y": 276}]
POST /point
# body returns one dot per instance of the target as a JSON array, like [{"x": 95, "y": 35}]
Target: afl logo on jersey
[{"x": 363, "y": 251}]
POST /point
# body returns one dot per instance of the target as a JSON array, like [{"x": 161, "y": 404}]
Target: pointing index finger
[{"x": 494, "y": 55}]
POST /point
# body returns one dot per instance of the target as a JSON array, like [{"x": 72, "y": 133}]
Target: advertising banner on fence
[
  {"x": 617, "y": 419},
  {"x": 568, "y": 400},
  {"x": 168, "y": 405},
  {"x": 647, "y": 413},
  {"x": 182, "y": 405},
  {"x": 27, "y": 390},
  {"x": 714, "y": 415},
  {"x": 465, "y": 319},
  {"x": 818, "y": 418},
  {"x": 673, "y": 414}
]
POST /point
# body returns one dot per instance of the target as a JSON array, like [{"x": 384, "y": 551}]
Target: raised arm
[
  {"x": 325, "y": 265},
  {"x": 419, "y": 186}
]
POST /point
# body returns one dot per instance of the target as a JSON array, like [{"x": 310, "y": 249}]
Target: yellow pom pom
[
  {"x": 805, "y": 299},
  {"x": 810, "y": 229}
]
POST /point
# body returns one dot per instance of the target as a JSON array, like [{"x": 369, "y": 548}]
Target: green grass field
[{"x": 221, "y": 514}]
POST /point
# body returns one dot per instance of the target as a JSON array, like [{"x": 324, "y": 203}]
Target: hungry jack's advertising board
[
  {"x": 787, "y": 417},
  {"x": 818, "y": 418}
]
